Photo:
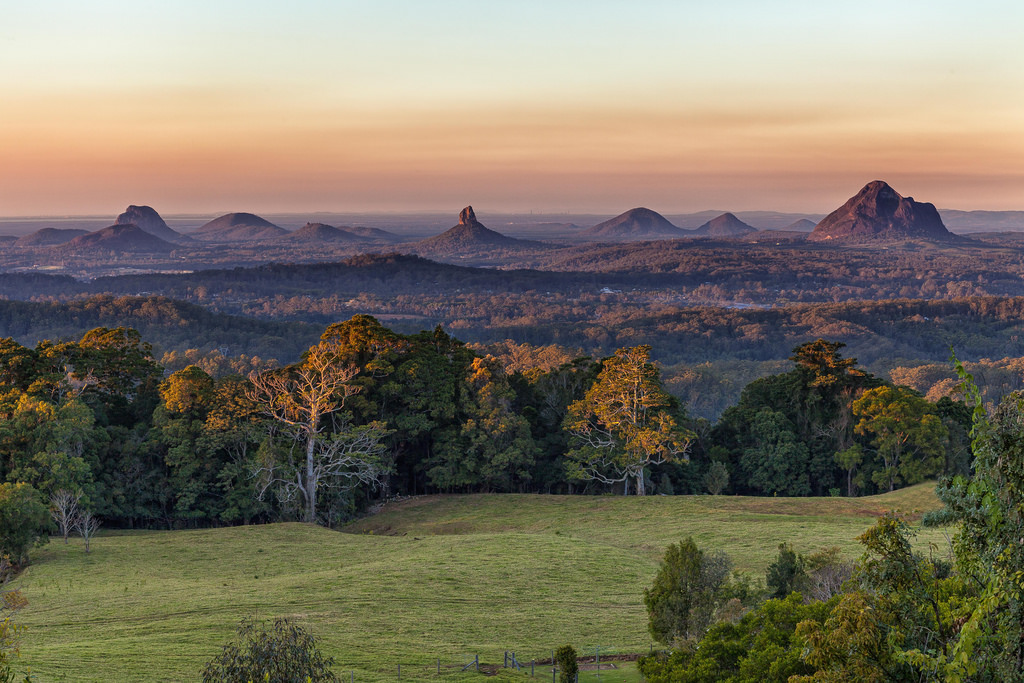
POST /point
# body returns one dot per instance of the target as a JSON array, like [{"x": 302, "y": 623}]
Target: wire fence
[{"x": 593, "y": 661}]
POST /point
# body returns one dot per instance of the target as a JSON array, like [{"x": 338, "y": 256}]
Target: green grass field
[{"x": 434, "y": 577}]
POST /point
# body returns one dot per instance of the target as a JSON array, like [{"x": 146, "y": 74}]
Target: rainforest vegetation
[{"x": 368, "y": 412}]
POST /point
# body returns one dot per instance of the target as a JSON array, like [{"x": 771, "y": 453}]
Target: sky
[{"x": 555, "y": 106}]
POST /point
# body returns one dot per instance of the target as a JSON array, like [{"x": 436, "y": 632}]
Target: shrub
[{"x": 282, "y": 653}]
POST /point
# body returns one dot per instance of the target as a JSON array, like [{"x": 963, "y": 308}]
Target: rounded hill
[
  {"x": 638, "y": 223},
  {"x": 319, "y": 233},
  {"x": 128, "y": 238},
  {"x": 47, "y": 237},
  {"x": 238, "y": 227},
  {"x": 726, "y": 225}
]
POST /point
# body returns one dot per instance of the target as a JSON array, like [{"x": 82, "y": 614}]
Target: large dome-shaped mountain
[
  {"x": 468, "y": 234},
  {"x": 726, "y": 225},
  {"x": 238, "y": 227},
  {"x": 639, "y": 224},
  {"x": 879, "y": 212},
  {"x": 121, "y": 238},
  {"x": 149, "y": 220}
]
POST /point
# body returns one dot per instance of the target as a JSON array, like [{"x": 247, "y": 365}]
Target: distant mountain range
[
  {"x": 982, "y": 221},
  {"x": 645, "y": 224}
]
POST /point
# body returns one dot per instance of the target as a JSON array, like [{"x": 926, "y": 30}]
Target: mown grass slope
[
  {"x": 457, "y": 576},
  {"x": 748, "y": 529}
]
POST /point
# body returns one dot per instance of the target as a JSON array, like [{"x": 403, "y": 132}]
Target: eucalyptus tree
[
  {"x": 306, "y": 402},
  {"x": 625, "y": 422}
]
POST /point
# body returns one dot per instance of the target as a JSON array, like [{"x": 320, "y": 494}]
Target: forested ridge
[
  {"x": 170, "y": 325},
  {"x": 707, "y": 354}
]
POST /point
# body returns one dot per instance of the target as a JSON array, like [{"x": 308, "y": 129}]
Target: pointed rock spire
[{"x": 466, "y": 216}]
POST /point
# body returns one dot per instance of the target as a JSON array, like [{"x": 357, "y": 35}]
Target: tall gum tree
[
  {"x": 624, "y": 423},
  {"x": 307, "y": 402}
]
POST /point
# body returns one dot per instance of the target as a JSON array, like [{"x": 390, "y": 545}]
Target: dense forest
[
  {"x": 368, "y": 412},
  {"x": 706, "y": 354}
]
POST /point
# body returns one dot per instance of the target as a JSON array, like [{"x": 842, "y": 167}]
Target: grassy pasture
[{"x": 433, "y": 577}]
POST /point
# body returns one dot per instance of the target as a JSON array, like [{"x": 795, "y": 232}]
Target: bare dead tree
[
  {"x": 64, "y": 511},
  {"x": 306, "y": 401},
  {"x": 87, "y": 524}
]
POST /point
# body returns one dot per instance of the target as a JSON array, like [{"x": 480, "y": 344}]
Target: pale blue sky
[{"x": 558, "y": 105}]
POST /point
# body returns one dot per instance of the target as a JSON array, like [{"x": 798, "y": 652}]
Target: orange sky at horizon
[{"x": 786, "y": 134}]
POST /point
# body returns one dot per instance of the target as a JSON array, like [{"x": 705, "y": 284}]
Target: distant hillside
[
  {"x": 878, "y": 212},
  {"x": 120, "y": 238},
  {"x": 168, "y": 324},
  {"x": 48, "y": 237},
  {"x": 802, "y": 225},
  {"x": 635, "y": 224},
  {"x": 982, "y": 221},
  {"x": 321, "y": 233},
  {"x": 382, "y": 274},
  {"x": 372, "y": 233},
  {"x": 726, "y": 225},
  {"x": 762, "y": 220},
  {"x": 469, "y": 235},
  {"x": 238, "y": 227},
  {"x": 149, "y": 220}
]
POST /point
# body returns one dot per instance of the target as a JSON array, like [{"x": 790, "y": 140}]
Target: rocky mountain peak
[
  {"x": 880, "y": 212},
  {"x": 466, "y": 216},
  {"x": 148, "y": 220}
]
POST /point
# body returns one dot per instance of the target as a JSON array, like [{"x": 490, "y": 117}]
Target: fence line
[{"x": 536, "y": 668}]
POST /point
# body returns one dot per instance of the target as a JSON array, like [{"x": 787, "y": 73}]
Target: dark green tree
[
  {"x": 686, "y": 592},
  {"x": 786, "y": 572},
  {"x": 24, "y": 521},
  {"x": 907, "y": 435},
  {"x": 565, "y": 661},
  {"x": 808, "y": 420},
  {"x": 898, "y": 622},
  {"x": 777, "y": 462}
]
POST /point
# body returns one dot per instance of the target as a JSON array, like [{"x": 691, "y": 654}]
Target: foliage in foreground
[
  {"x": 760, "y": 648},
  {"x": 904, "y": 616},
  {"x": 11, "y": 601},
  {"x": 280, "y": 653}
]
